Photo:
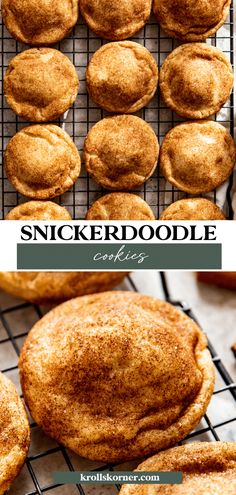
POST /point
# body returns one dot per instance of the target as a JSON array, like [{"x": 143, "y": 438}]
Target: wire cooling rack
[
  {"x": 46, "y": 456},
  {"x": 79, "y": 47}
]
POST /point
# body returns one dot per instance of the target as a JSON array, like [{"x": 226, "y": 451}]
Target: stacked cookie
[{"x": 120, "y": 152}]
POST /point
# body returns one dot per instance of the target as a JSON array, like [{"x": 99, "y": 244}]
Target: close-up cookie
[
  {"x": 56, "y": 287},
  {"x": 192, "y": 209},
  {"x": 121, "y": 152},
  {"x": 122, "y": 77},
  {"x": 191, "y": 20},
  {"x": 148, "y": 360},
  {"x": 39, "y": 22},
  {"x": 197, "y": 157},
  {"x": 209, "y": 468},
  {"x": 120, "y": 206},
  {"x": 38, "y": 210},
  {"x": 41, "y": 161},
  {"x": 40, "y": 84},
  {"x": 118, "y": 21},
  {"x": 196, "y": 79},
  {"x": 14, "y": 433},
  {"x": 227, "y": 280}
]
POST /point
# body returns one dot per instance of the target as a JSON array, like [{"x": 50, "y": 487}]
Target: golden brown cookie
[
  {"x": 192, "y": 209},
  {"x": 191, "y": 20},
  {"x": 122, "y": 77},
  {"x": 39, "y": 22},
  {"x": 41, "y": 161},
  {"x": 38, "y": 210},
  {"x": 118, "y": 21},
  {"x": 121, "y": 152},
  {"x": 150, "y": 354},
  {"x": 14, "y": 433},
  {"x": 209, "y": 468},
  {"x": 197, "y": 157},
  {"x": 226, "y": 280},
  {"x": 56, "y": 287},
  {"x": 40, "y": 84},
  {"x": 196, "y": 79},
  {"x": 120, "y": 206}
]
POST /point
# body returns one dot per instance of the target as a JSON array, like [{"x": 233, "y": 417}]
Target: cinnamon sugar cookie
[
  {"x": 197, "y": 157},
  {"x": 209, "y": 468},
  {"x": 14, "y": 433},
  {"x": 38, "y": 210},
  {"x": 40, "y": 84},
  {"x": 120, "y": 206},
  {"x": 121, "y": 152},
  {"x": 39, "y": 22},
  {"x": 122, "y": 77},
  {"x": 116, "y": 21},
  {"x": 191, "y": 20},
  {"x": 192, "y": 209},
  {"x": 196, "y": 79},
  {"x": 151, "y": 354},
  {"x": 42, "y": 162}
]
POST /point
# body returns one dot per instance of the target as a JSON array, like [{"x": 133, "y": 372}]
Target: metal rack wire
[
  {"x": 79, "y": 47},
  {"x": 209, "y": 430}
]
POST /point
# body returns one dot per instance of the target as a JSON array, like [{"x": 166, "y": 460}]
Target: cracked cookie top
[
  {"x": 122, "y": 77},
  {"x": 40, "y": 84},
  {"x": 41, "y": 161},
  {"x": 121, "y": 152},
  {"x": 39, "y": 22}
]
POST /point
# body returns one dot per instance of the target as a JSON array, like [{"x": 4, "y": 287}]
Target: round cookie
[
  {"x": 122, "y": 77},
  {"x": 197, "y": 157},
  {"x": 152, "y": 355},
  {"x": 209, "y": 468},
  {"x": 118, "y": 21},
  {"x": 191, "y": 20},
  {"x": 41, "y": 161},
  {"x": 121, "y": 152},
  {"x": 120, "y": 206},
  {"x": 192, "y": 209},
  {"x": 14, "y": 434},
  {"x": 40, "y": 84},
  {"x": 39, "y": 22},
  {"x": 38, "y": 210},
  {"x": 196, "y": 79}
]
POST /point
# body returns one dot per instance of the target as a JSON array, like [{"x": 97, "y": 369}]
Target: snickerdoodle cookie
[
  {"x": 121, "y": 152},
  {"x": 38, "y": 210},
  {"x": 41, "y": 161},
  {"x": 209, "y": 468},
  {"x": 197, "y": 157},
  {"x": 191, "y": 20},
  {"x": 39, "y": 22},
  {"x": 56, "y": 287},
  {"x": 40, "y": 84},
  {"x": 118, "y": 20},
  {"x": 192, "y": 209},
  {"x": 120, "y": 206},
  {"x": 196, "y": 79},
  {"x": 116, "y": 376},
  {"x": 122, "y": 77},
  {"x": 14, "y": 433}
]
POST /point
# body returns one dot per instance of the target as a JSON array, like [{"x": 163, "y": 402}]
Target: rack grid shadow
[
  {"x": 79, "y": 47},
  {"x": 47, "y": 456}
]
